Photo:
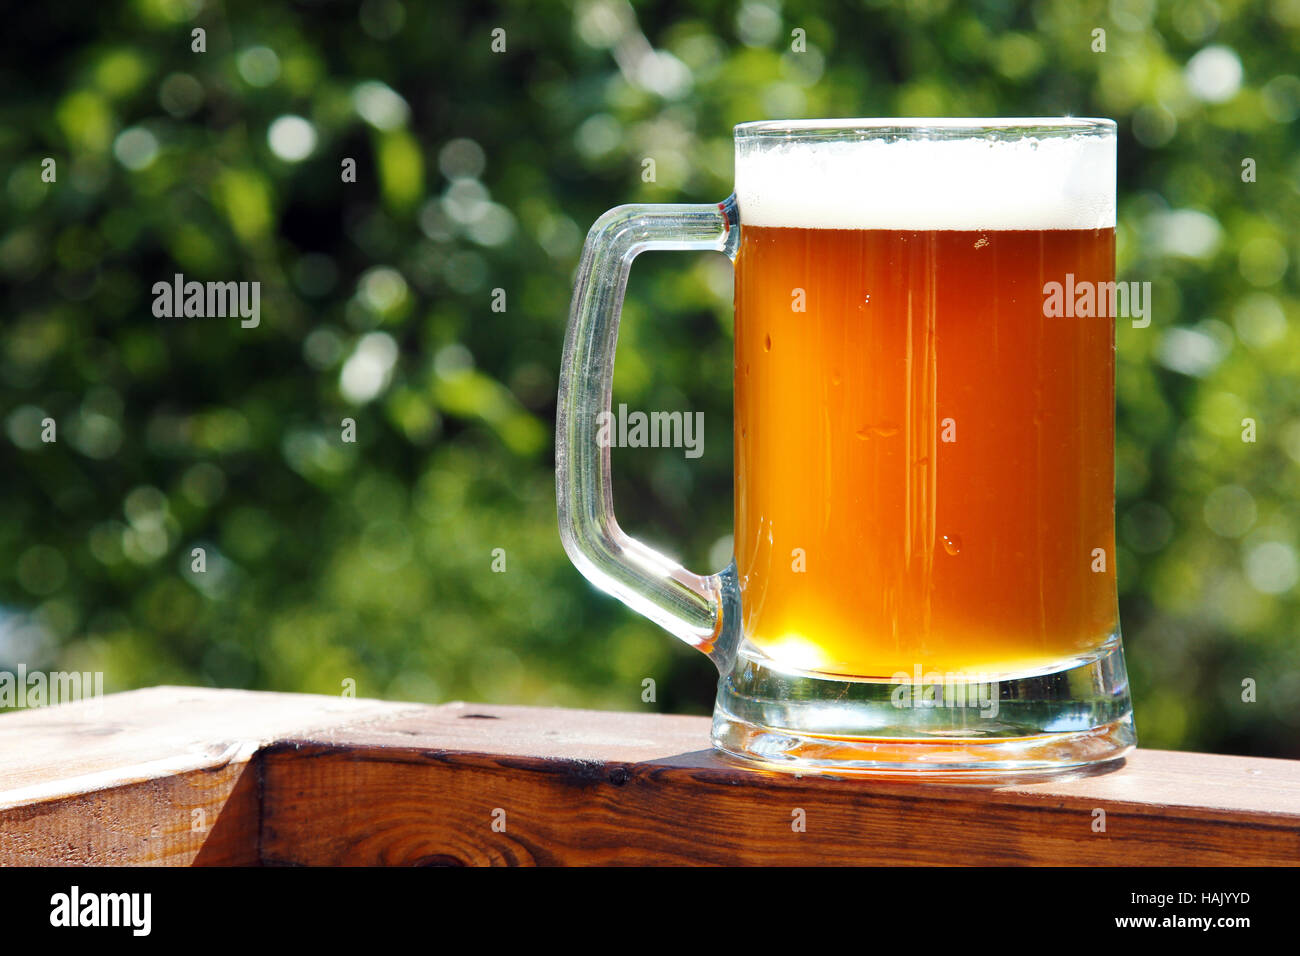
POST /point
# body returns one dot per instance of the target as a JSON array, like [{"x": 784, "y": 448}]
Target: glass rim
[{"x": 927, "y": 127}]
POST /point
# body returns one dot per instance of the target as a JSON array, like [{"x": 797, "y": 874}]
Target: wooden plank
[
  {"x": 582, "y": 787},
  {"x": 297, "y": 779},
  {"x": 165, "y": 775}
]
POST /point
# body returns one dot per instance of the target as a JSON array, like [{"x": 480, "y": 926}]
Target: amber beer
[
  {"x": 924, "y": 573},
  {"x": 924, "y": 460}
]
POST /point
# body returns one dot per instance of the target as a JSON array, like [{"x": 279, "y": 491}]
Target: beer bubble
[
  {"x": 952, "y": 544},
  {"x": 883, "y": 430}
]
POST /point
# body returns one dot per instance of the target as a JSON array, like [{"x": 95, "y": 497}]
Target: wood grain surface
[
  {"x": 165, "y": 776},
  {"x": 190, "y": 775}
]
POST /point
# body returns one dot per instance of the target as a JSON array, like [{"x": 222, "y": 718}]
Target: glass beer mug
[{"x": 924, "y": 572}]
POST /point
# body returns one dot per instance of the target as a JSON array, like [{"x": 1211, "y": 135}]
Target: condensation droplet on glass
[
  {"x": 952, "y": 544},
  {"x": 767, "y": 343}
]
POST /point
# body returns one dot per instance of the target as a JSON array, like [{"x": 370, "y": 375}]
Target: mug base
[{"x": 1072, "y": 717}]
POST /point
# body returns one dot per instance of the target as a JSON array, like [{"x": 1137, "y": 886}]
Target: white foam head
[{"x": 930, "y": 174}]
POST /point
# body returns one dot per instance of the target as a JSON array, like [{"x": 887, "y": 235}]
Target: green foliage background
[{"x": 479, "y": 171}]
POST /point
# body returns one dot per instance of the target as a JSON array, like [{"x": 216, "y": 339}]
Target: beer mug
[{"x": 924, "y": 566}]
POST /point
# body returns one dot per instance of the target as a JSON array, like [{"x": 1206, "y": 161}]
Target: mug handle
[{"x": 704, "y": 611}]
